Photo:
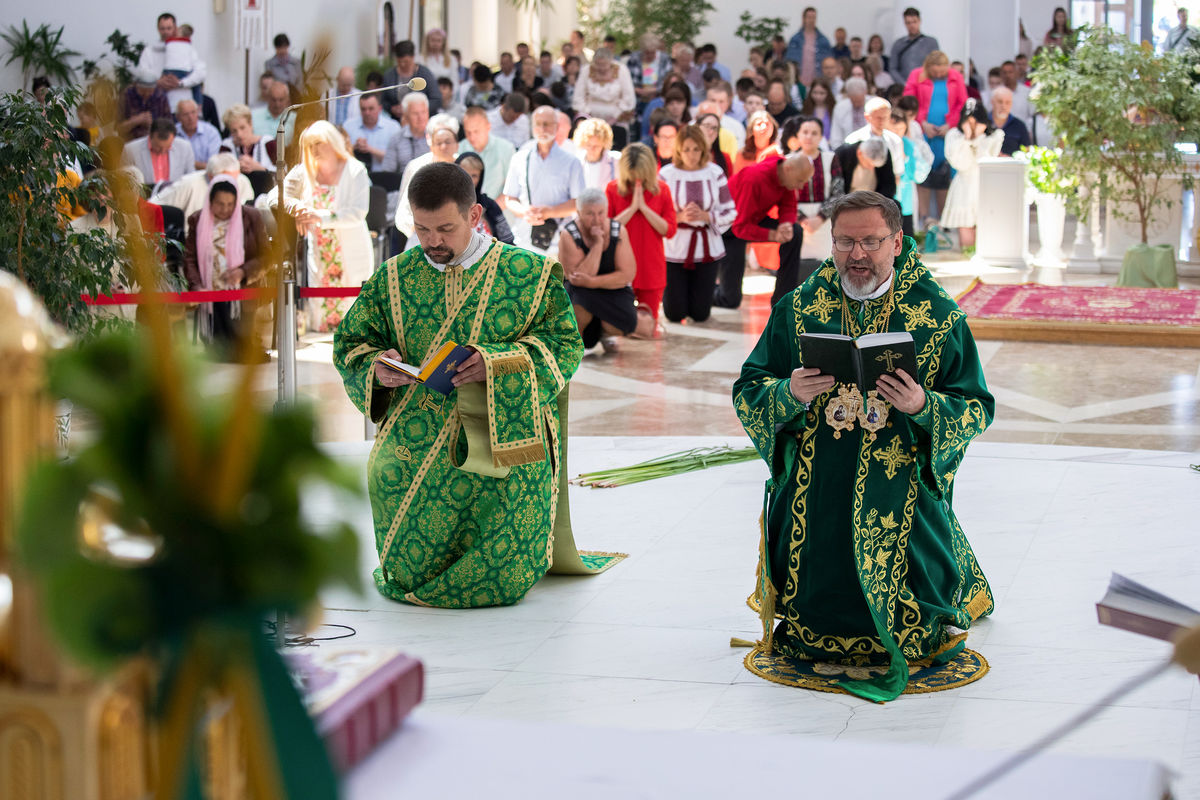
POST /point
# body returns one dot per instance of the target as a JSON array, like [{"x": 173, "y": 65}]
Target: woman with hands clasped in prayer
[
  {"x": 327, "y": 194},
  {"x": 599, "y": 265},
  {"x": 643, "y": 204}
]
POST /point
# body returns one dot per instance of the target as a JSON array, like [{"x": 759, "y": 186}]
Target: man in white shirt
[
  {"x": 1180, "y": 37},
  {"x": 1022, "y": 109},
  {"x": 203, "y": 137},
  {"x": 342, "y": 110},
  {"x": 152, "y": 65},
  {"x": 507, "y": 74},
  {"x": 849, "y": 113},
  {"x": 510, "y": 121},
  {"x": 371, "y": 131},
  {"x": 878, "y": 111},
  {"x": 542, "y": 184},
  {"x": 496, "y": 152},
  {"x": 189, "y": 192},
  {"x": 266, "y": 118}
]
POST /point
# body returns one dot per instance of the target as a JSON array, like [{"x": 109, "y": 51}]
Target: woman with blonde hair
[
  {"x": 705, "y": 210},
  {"x": 593, "y": 142},
  {"x": 327, "y": 194},
  {"x": 437, "y": 59},
  {"x": 941, "y": 95},
  {"x": 644, "y": 205}
]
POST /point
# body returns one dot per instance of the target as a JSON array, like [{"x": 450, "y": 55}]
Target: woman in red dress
[{"x": 643, "y": 204}]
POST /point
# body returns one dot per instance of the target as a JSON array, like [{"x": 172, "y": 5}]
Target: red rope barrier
[{"x": 224, "y": 296}]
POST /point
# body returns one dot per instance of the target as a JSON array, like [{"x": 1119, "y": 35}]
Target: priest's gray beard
[{"x": 863, "y": 285}]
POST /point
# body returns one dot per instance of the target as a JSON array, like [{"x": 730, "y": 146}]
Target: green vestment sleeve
[
  {"x": 762, "y": 394},
  {"x": 364, "y": 334},
  {"x": 957, "y": 409}
]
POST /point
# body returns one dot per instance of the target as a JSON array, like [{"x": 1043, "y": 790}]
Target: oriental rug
[
  {"x": 924, "y": 676},
  {"x": 1083, "y": 314}
]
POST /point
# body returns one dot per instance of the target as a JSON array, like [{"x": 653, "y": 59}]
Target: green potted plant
[
  {"x": 1051, "y": 187},
  {"x": 40, "y": 51},
  {"x": 1119, "y": 109},
  {"x": 759, "y": 31},
  {"x": 673, "y": 20},
  {"x": 37, "y": 162}
]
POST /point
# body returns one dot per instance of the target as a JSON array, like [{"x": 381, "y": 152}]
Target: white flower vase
[{"x": 1051, "y": 220}]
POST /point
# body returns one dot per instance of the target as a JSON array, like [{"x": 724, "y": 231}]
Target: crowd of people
[{"x": 699, "y": 171}]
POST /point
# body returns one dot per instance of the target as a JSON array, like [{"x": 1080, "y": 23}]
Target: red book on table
[{"x": 357, "y": 696}]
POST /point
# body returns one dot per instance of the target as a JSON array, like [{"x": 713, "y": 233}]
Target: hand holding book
[
  {"x": 448, "y": 368},
  {"x": 899, "y": 389}
]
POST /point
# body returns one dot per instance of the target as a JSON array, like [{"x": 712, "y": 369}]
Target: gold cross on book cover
[{"x": 437, "y": 371}]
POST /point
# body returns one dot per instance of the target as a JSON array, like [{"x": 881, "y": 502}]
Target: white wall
[
  {"x": 945, "y": 19},
  {"x": 994, "y": 33}
]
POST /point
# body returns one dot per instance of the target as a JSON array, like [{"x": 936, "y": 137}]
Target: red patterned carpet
[{"x": 1091, "y": 314}]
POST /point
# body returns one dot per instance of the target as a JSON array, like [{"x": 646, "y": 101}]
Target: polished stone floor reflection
[{"x": 1094, "y": 395}]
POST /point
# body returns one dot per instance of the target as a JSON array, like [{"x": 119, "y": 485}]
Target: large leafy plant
[
  {"x": 40, "y": 51},
  {"x": 122, "y": 57},
  {"x": 1118, "y": 110},
  {"x": 673, "y": 20},
  {"x": 36, "y": 242}
]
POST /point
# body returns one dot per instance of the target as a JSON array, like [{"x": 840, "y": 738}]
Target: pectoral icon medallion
[
  {"x": 842, "y": 410},
  {"x": 873, "y": 415}
]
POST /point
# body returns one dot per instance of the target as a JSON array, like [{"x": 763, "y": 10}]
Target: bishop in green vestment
[
  {"x": 464, "y": 487},
  {"x": 863, "y": 560}
]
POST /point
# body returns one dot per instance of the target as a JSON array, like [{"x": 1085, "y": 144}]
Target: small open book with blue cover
[
  {"x": 860, "y": 362},
  {"x": 437, "y": 371}
]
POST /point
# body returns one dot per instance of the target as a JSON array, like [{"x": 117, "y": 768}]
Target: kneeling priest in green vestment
[
  {"x": 863, "y": 561},
  {"x": 465, "y": 486}
]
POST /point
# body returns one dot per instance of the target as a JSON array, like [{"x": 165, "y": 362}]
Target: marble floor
[
  {"x": 1084, "y": 471},
  {"x": 1073, "y": 394},
  {"x": 646, "y": 644}
]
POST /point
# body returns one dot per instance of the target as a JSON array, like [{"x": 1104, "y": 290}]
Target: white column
[
  {"x": 1083, "y": 255},
  {"x": 1002, "y": 223}
]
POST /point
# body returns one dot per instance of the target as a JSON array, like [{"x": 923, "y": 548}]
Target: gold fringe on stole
[
  {"x": 766, "y": 590},
  {"x": 978, "y": 604},
  {"x": 509, "y": 365},
  {"x": 526, "y": 454}
]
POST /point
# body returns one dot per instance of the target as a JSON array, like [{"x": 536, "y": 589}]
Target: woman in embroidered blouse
[
  {"x": 643, "y": 204},
  {"x": 593, "y": 147},
  {"x": 328, "y": 194},
  {"x": 704, "y": 210}
]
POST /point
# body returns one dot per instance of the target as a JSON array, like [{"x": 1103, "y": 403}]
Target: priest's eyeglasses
[{"x": 844, "y": 244}]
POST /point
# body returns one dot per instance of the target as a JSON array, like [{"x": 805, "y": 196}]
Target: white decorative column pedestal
[
  {"x": 1083, "y": 252},
  {"x": 1002, "y": 226}
]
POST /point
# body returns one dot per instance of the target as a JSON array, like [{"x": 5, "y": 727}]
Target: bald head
[
  {"x": 188, "y": 114},
  {"x": 794, "y": 171},
  {"x": 345, "y": 80}
]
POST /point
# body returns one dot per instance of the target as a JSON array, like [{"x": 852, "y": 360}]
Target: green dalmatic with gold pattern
[
  {"x": 863, "y": 561},
  {"x": 464, "y": 488}
]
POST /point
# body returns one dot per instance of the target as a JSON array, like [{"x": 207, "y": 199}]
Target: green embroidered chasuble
[
  {"x": 865, "y": 559},
  {"x": 464, "y": 488}
]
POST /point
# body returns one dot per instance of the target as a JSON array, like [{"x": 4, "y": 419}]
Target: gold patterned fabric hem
[{"x": 924, "y": 676}]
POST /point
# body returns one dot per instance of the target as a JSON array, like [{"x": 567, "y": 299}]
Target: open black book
[
  {"x": 859, "y": 362},
  {"x": 1133, "y": 607}
]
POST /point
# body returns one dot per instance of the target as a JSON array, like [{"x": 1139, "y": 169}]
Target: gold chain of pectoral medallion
[{"x": 849, "y": 405}]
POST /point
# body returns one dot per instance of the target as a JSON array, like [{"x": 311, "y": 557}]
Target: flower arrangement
[{"x": 1044, "y": 173}]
